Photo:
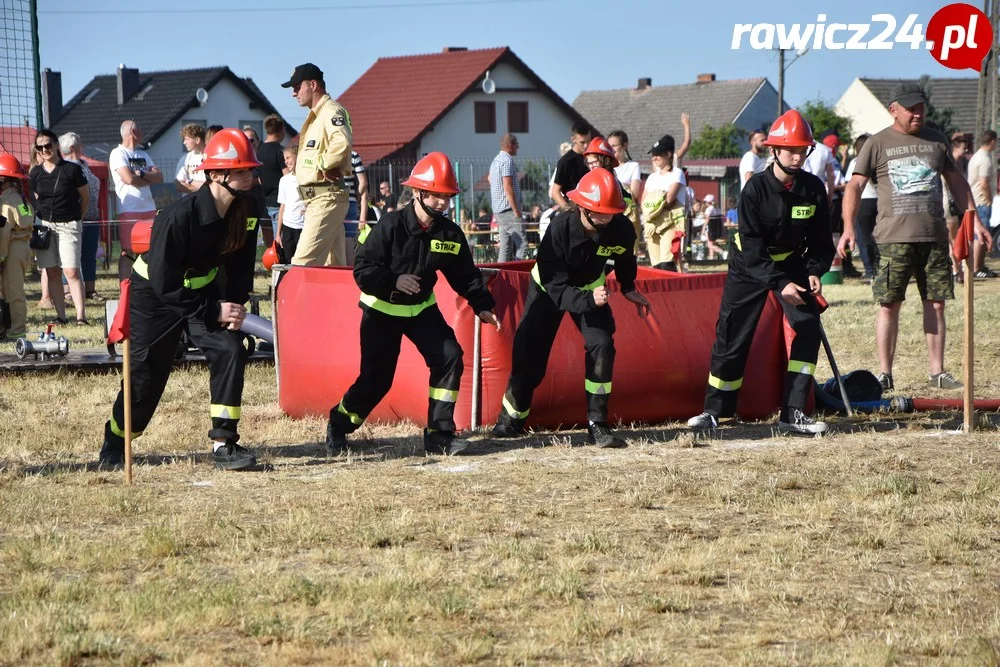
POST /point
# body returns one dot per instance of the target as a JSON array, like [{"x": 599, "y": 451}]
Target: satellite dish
[
  {"x": 489, "y": 85},
  {"x": 201, "y": 95}
]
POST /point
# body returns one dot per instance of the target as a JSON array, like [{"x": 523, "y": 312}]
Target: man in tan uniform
[{"x": 324, "y": 159}]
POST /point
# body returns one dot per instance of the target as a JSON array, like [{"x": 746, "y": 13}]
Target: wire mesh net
[{"x": 18, "y": 94}]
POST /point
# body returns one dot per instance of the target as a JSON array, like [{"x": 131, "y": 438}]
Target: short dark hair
[
  {"x": 580, "y": 128},
  {"x": 273, "y": 124},
  {"x": 754, "y": 133},
  {"x": 859, "y": 143},
  {"x": 989, "y": 136}
]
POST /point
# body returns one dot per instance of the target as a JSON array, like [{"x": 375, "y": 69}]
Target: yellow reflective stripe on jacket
[
  {"x": 190, "y": 282},
  {"x": 514, "y": 412},
  {"x": 445, "y": 395},
  {"x": 447, "y": 247},
  {"x": 397, "y": 310},
  {"x": 119, "y": 431},
  {"x": 803, "y": 367},
  {"x": 197, "y": 282},
  {"x": 355, "y": 419},
  {"x": 777, "y": 257},
  {"x": 803, "y": 212},
  {"x": 597, "y": 387},
  {"x": 724, "y": 385},
  {"x": 225, "y": 411},
  {"x": 586, "y": 288}
]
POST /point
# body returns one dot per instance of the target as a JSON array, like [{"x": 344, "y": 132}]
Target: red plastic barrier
[{"x": 661, "y": 367}]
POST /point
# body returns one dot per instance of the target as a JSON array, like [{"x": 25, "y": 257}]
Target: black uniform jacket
[
  {"x": 774, "y": 221},
  {"x": 186, "y": 242},
  {"x": 398, "y": 245},
  {"x": 568, "y": 259}
]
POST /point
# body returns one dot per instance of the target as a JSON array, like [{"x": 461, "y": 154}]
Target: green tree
[
  {"x": 718, "y": 142},
  {"x": 939, "y": 118},
  {"x": 823, "y": 120}
]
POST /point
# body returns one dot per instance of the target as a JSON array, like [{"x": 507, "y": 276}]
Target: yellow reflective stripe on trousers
[
  {"x": 514, "y": 412},
  {"x": 396, "y": 310},
  {"x": 445, "y": 395},
  {"x": 190, "y": 282},
  {"x": 724, "y": 385},
  {"x": 597, "y": 387},
  {"x": 355, "y": 419},
  {"x": 225, "y": 411},
  {"x": 803, "y": 367},
  {"x": 586, "y": 288},
  {"x": 120, "y": 432}
]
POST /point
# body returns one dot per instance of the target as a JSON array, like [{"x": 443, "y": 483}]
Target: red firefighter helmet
[
  {"x": 598, "y": 191},
  {"x": 270, "y": 257},
  {"x": 141, "y": 233},
  {"x": 790, "y": 131},
  {"x": 11, "y": 168},
  {"x": 433, "y": 173},
  {"x": 599, "y": 146},
  {"x": 229, "y": 149}
]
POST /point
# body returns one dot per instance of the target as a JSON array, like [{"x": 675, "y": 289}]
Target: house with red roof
[{"x": 458, "y": 101}]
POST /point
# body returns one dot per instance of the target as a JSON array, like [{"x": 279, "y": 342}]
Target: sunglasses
[{"x": 44, "y": 147}]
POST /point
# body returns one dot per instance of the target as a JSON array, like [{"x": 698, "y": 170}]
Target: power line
[{"x": 285, "y": 10}]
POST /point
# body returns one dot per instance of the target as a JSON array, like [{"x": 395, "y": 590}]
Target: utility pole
[{"x": 781, "y": 82}]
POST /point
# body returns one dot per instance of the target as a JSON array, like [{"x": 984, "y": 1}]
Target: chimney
[
  {"x": 644, "y": 83},
  {"x": 52, "y": 102},
  {"x": 706, "y": 78},
  {"x": 128, "y": 83},
  {"x": 454, "y": 49}
]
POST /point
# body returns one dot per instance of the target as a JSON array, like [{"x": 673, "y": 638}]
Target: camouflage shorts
[{"x": 899, "y": 262}]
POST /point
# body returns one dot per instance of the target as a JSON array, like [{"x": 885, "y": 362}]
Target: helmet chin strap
[
  {"x": 225, "y": 183},
  {"x": 791, "y": 171},
  {"x": 429, "y": 211}
]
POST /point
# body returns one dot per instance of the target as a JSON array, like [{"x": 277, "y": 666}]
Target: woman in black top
[{"x": 61, "y": 196}]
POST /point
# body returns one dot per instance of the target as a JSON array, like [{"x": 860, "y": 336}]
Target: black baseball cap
[
  {"x": 908, "y": 94},
  {"x": 307, "y": 72},
  {"x": 663, "y": 145}
]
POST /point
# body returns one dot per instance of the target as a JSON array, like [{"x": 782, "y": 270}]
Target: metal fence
[{"x": 20, "y": 98}]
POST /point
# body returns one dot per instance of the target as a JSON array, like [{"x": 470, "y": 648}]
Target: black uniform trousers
[
  {"x": 381, "y": 337},
  {"x": 743, "y": 300},
  {"x": 155, "y": 333},
  {"x": 533, "y": 342}
]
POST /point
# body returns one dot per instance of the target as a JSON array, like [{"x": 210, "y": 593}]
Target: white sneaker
[
  {"x": 704, "y": 420},
  {"x": 796, "y": 421}
]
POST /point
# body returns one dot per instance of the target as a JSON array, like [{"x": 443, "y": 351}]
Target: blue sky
[{"x": 573, "y": 46}]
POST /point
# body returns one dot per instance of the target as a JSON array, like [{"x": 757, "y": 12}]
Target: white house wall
[
  {"x": 455, "y": 134},
  {"x": 866, "y": 112},
  {"x": 226, "y": 106}
]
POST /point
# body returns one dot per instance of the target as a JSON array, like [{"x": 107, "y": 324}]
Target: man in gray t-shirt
[
  {"x": 906, "y": 162},
  {"x": 505, "y": 195}
]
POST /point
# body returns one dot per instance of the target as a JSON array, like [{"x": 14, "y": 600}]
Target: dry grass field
[{"x": 875, "y": 545}]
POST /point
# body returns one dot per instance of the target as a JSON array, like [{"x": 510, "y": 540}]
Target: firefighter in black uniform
[
  {"x": 569, "y": 276},
  {"x": 396, "y": 268},
  {"x": 784, "y": 245},
  {"x": 196, "y": 276}
]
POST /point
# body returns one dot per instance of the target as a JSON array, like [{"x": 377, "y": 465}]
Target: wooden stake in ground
[
  {"x": 118, "y": 332},
  {"x": 962, "y": 251},
  {"x": 127, "y": 391}
]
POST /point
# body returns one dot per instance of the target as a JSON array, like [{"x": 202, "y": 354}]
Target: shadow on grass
[{"x": 371, "y": 449}]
